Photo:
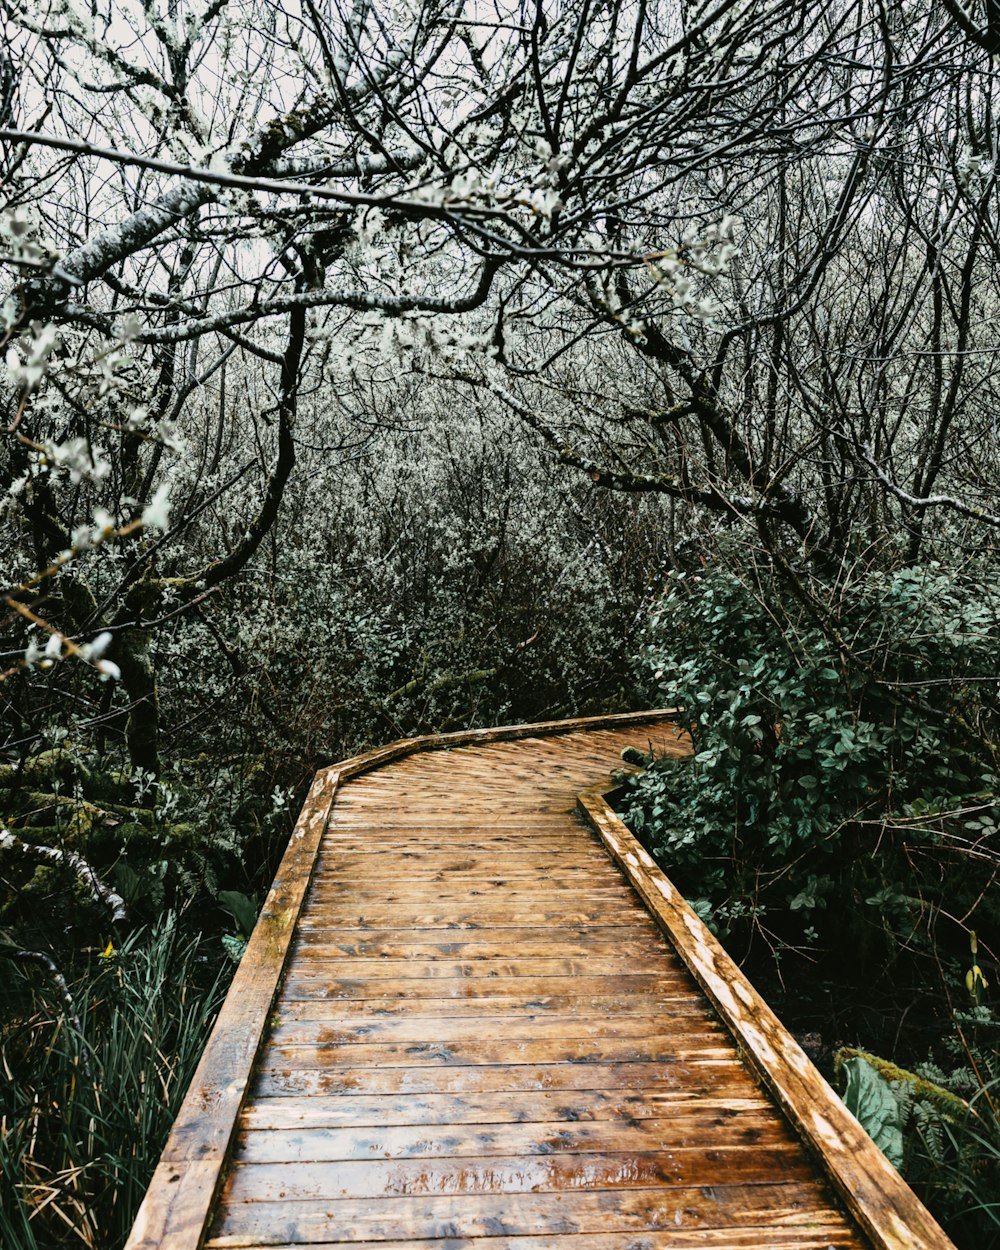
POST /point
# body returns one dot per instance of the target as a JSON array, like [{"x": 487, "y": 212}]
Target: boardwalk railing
[
  {"x": 179, "y": 1207},
  {"x": 870, "y": 1187}
]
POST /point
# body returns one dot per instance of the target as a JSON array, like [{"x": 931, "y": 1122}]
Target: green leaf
[
  {"x": 871, "y": 1098},
  {"x": 234, "y": 945},
  {"x": 242, "y": 908}
]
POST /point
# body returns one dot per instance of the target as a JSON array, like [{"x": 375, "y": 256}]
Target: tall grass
[{"x": 86, "y": 1103}]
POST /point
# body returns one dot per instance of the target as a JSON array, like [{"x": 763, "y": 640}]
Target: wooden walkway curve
[{"x": 458, "y": 1026}]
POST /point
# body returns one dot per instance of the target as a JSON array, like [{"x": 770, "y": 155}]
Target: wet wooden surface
[
  {"x": 482, "y": 1039},
  {"x": 872, "y": 1190}
]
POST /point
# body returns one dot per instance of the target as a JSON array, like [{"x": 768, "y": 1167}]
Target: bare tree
[
  {"x": 740, "y": 255},
  {"x": 836, "y": 383}
]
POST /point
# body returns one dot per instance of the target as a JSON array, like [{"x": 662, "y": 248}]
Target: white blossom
[
  {"x": 27, "y": 363},
  {"x": 130, "y": 328},
  {"x": 93, "y": 650},
  {"x": 79, "y": 458},
  {"x": 156, "y": 514}
]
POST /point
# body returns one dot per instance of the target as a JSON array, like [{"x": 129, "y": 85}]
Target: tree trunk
[{"x": 142, "y": 730}]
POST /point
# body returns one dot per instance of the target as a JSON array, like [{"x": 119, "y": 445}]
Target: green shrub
[
  {"x": 842, "y": 798},
  {"x": 843, "y": 787},
  {"x": 939, "y": 1126}
]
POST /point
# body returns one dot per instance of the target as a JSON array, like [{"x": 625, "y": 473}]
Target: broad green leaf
[
  {"x": 871, "y": 1098},
  {"x": 241, "y": 907}
]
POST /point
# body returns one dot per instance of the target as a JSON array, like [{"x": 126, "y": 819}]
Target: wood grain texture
[
  {"x": 816, "y": 1238},
  {"x": 688, "y": 1216},
  {"x": 684, "y": 1072},
  {"x": 177, "y": 1206},
  {"x": 481, "y": 1039}
]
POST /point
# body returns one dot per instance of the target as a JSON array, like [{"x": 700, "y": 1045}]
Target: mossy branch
[{"x": 950, "y": 1105}]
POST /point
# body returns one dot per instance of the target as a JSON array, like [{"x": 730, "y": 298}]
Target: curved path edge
[{"x": 175, "y": 1212}]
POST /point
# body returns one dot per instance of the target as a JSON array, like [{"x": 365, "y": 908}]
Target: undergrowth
[{"x": 88, "y": 1089}]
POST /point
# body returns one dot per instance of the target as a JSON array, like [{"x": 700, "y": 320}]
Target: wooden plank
[
  {"x": 413, "y": 882},
  {"x": 336, "y": 895},
  {"x": 681, "y": 1071},
  {"x": 620, "y": 919},
  {"x": 640, "y": 927},
  {"x": 617, "y": 1005},
  {"x": 415, "y": 869},
  {"x": 323, "y": 986},
  {"x": 515, "y": 1175},
  {"x": 873, "y": 1191},
  {"x": 732, "y": 1092},
  {"x": 343, "y": 968},
  {"x": 662, "y": 1048},
  {"x": 499, "y": 862},
  {"x": 691, "y": 1130},
  {"x": 674, "y": 1210},
  {"x": 321, "y": 946},
  {"x": 451, "y": 829},
  {"x": 684, "y": 1015},
  {"x": 421, "y": 797},
  {"x": 513, "y": 841},
  {"x": 428, "y": 916},
  {"x": 377, "y": 842},
  {"x": 821, "y": 1237}
]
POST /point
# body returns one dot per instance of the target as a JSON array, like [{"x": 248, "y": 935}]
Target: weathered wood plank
[
  {"x": 682, "y": 1072},
  {"x": 473, "y": 916},
  {"x": 347, "y": 866},
  {"x": 772, "y": 1205},
  {"x": 692, "y": 1131},
  {"x": 821, "y": 1237},
  {"x": 309, "y": 965},
  {"x": 417, "y": 879},
  {"x": 321, "y": 947},
  {"x": 690, "y": 1042},
  {"x": 452, "y": 830},
  {"x": 638, "y": 926},
  {"x": 323, "y": 986},
  {"x": 514, "y": 1175},
  {"x": 731, "y": 1092},
  {"x": 332, "y": 894},
  {"x": 615, "y": 1005},
  {"x": 387, "y": 839},
  {"x": 296, "y": 1031}
]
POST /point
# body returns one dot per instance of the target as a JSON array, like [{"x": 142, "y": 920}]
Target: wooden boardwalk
[{"x": 481, "y": 1041}]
